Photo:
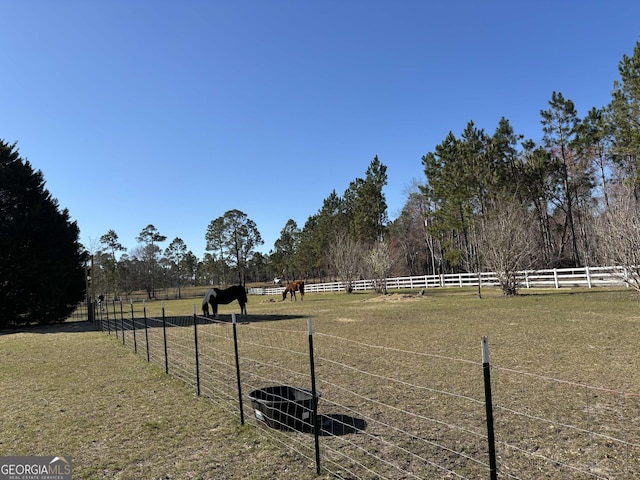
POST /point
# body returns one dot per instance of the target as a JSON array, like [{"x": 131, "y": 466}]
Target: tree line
[
  {"x": 500, "y": 202},
  {"x": 490, "y": 201},
  {"x": 330, "y": 241}
]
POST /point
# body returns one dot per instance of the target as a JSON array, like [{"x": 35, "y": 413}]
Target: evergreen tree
[
  {"x": 450, "y": 187},
  {"x": 42, "y": 275},
  {"x": 175, "y": 255},
  {"x": 625, "y": 108},
  {"x": 561, "y": 125},
  {"x": 260, "y": 268},
  {"x": 149, "y": 256},
  {"x": 285, "y": 248},
  {"x": 110, "y": 242},
  {"x": 319, "y": 234},
  {"x": 538, "y": 175},
  {"x": 308, "y": 254},
  {"x": 366, "y": 206},
  {"x": 235, "y": 236}
]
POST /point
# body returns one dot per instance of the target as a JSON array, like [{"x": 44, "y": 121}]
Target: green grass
[{"x": 83, "y": 394}]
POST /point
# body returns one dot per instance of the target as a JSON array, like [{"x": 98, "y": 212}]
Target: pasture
[{"x": 83, "y": 394}]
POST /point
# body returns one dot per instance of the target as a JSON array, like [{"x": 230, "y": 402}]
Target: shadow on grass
[
  {"x": 64, "y": 327},
  {"x": 187, "y": 321},
  {"x": 331, "y": 425},
  {"x": 336, "y": 425},
  {"x": 246, "y": 319}
]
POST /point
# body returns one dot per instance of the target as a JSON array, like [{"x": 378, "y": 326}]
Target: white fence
[{"x": 589, "y": 277}]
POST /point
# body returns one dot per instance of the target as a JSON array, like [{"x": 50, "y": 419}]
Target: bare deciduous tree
[
  {"x": 379, "y": 263},
  {"x": 618, "y": 231},
  {"x": 345, "y": 255},
  {"x": 506, "y": 241}
]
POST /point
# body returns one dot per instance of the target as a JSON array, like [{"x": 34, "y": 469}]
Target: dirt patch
[{"x": 394, "y": 297}]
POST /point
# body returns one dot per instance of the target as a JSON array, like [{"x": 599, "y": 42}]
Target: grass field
[{"x": 72, "y": 391}]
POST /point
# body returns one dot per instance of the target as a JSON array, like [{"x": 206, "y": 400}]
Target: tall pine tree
[{"x": 42, "y": 276}]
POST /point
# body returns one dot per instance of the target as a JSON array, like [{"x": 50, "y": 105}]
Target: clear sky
[{"x": 170, "y": 113}]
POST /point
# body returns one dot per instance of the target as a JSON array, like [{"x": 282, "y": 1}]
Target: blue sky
[{"x": 172, "y": 112}]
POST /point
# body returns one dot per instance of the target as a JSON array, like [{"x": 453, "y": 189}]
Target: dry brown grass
[
  {"x": 75, "y": 392},
  {"x": 83, "y": 394}
]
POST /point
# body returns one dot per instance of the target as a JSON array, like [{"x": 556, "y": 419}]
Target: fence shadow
[
  {"x": 265, "y": 318},
  {"x": 184, "y": 321},
  {"x": 187, "y": 320}
]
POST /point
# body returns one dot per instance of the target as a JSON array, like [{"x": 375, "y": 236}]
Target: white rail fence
[{"x": 588, "y": 277}]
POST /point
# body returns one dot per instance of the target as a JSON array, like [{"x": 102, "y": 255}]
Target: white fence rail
[{"x": 589, "y": 277}]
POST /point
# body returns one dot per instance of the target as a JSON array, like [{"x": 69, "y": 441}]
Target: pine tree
[
  {"x": 625, "y": 108},
  {"x": 236, "y": 237},
  {"x": 42, "y": 275}
]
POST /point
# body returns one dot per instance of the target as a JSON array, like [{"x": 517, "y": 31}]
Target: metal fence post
[
  {"x": 115, "y": 316},
  {"x": 90, "y": 313},
  {"x": 146, "y": 329},
  {"x": 195, "y": 340},
  {"x": 122, "y": 321},
  {"x": 314, "y": 400},
  {"x": 164, "y": 336},
  {"x": 133, "y": 326},
  {"x": 107, "y": 315},
  {"x": 489, "y": 408},
  {"x": 235, "y": 347},
  {"x": 94, "y": 307}
]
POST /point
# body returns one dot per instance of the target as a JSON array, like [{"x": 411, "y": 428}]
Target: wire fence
[{"x": 374, "y": 418}]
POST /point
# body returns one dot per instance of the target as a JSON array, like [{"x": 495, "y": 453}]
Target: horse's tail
[
  {"x": 207, "y": 296},
  {"x": 205, "y": 303}
]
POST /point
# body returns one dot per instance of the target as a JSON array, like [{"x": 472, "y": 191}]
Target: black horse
[{"x": 216, "y": 296}]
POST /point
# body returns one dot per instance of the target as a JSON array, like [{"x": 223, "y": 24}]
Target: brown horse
[{"x": 292, "y": 288}]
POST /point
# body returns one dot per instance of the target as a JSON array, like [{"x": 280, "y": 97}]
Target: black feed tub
[{"x": 284, "y": 407}]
